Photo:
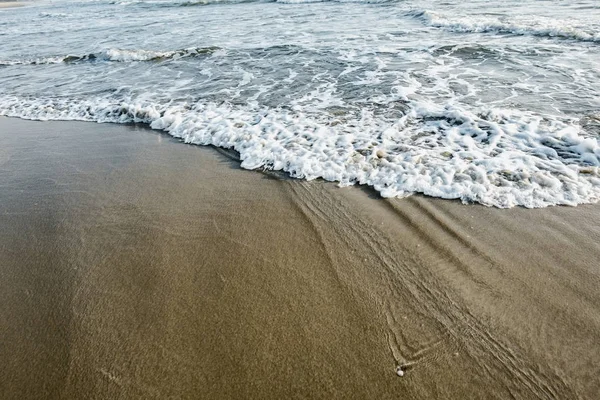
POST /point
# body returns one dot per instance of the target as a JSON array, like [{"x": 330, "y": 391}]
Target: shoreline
[
  {"x": 11, "y": 4},
  {"x": 138, "y": 266}
]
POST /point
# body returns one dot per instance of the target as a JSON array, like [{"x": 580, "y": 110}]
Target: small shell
[{"x": 399, "y": 371}]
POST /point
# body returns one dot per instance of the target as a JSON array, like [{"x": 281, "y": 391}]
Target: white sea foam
[
  {"x": 502, "y": 119},
  {"x": 209, "y": 2},
  {"x": 495, "y": 157},
  {"x": 530, "y": 25},
  {"x": 337, "y": 1},
  {"x": 300, "y": 1},
  {"x": 183, "y": 3},
  {"x": 53, "y": 15},
  {"x": 136, "y": 55},
  {"x": 45, "y": 60},
  {"x": 334, "y": 1},
  {"x": 116, "y": 55}
]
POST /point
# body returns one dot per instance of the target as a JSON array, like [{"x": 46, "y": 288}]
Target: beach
[
  {"x": 137, "y": 266},
  {"x": 9, "y": 4}
]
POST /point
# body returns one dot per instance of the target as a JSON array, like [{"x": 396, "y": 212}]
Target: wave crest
[
  {"x": 533, "y": 26},
  {"x": 495, "y": 157},
  {"x": 117, "y": 55}
]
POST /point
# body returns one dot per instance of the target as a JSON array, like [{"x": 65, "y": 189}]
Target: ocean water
[{"x": 493, "y": 102}]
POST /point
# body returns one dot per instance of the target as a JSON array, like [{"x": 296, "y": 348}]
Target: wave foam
[
  {"x": 532, "y": 26},
  {"x": 213, "y": 2},
  {"x": 116, "y": 55},
  {"x": 184, "y": 3},
  {"x": 501, "y": 158},
  {"x": 334, "y": 1}
]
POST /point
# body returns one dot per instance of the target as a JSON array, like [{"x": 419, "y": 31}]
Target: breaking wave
[
  {"x": 534, "y": 26},
  {"x": 335, "y": 1},
  {"x": 116, "y": 55},
  {"x": 192, "y": 3},
  {"x": 495, "y": 157}
]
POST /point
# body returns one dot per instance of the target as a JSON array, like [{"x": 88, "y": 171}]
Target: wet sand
[
  {"x": 10, "y": 4},
  {"x": 135, "y": 266}
]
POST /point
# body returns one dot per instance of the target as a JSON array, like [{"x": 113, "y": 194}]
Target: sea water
[{"x": 493, "y": 102}]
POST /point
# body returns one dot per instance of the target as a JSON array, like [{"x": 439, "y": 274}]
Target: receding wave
[
  {"x": 533, "y": 26},
  {"x": 116, "y": 55},
  {"x": 496, "y": 157}
]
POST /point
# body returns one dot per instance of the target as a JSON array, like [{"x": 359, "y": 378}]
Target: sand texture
[
  {"x": 133, "y": 266},
  {"x": 11, "y": 3}
]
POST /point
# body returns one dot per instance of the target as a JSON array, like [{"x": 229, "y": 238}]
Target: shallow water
[{"x": 494, "y": 103}]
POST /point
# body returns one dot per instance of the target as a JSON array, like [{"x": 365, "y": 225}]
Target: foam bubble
[
  {"x": 334, "y": 1},
  {"x": 496, "y": 157},
  {"x": 116, "y": 55},
  {"x": 532, "y": 25}
]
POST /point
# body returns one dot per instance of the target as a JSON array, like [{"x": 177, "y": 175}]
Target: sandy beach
[
  {"x": 135, "y": 266},
  {"x": 9, "y": 4}
]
